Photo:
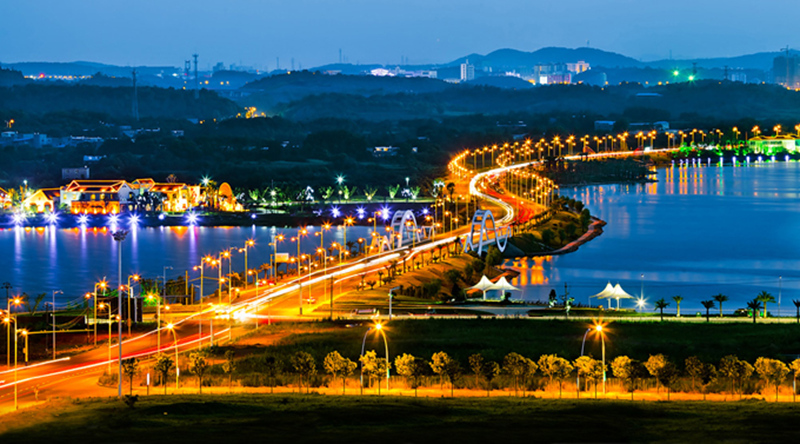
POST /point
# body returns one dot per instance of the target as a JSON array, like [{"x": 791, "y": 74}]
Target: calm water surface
[
  {"x": 72, "y": 260},
  {"x": 696, "y": 232}
]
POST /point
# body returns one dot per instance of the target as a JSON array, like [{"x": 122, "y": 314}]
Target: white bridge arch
[
  {"x": 403, "y": 230},
  {"x": 480, "y": 220}
]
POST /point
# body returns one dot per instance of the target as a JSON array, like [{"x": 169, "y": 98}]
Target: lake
[
  {"x": 697, "y": 232},
  {"x": 36, "y": 260}
]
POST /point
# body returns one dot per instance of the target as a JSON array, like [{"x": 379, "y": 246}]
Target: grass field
[
  {"x": 371, "y": 419},
  {"x": 494, "y": 338}
]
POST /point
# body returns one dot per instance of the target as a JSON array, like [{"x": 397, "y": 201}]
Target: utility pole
[
  {"x": 726, "y": 72},
  {"x": 135, "y": 110},
  {"x": 196, "y": 79}
]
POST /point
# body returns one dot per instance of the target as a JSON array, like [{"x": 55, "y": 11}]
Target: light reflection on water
[
  {"x": 38, "y": 260},
  {"x": 696, "y": 232}
]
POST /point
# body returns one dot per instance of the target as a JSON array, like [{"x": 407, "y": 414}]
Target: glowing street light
[{"x": 379, "y": 328}]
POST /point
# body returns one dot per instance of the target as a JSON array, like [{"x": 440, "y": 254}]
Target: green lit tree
[
  {"x": 519, "y": 368},
  {"x": 720, "y": 298},
  {"x": 624, "y": 369},
  {"x": 678, "y": 299},
  {"x": 765, "y": 297}
]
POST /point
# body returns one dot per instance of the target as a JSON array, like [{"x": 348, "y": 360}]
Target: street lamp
[
  {"x": 171, "y": 327},
  {"x": 274, "y": 262},
  {"x": 599, "y": 329},
  {"x": 249, "y": 243},
  {"x": 379, "y": 328},
  {"x": 54, "y": 321},
  {"x": 16, "y": 301},
  {"x": 102, "y": 307},
  {"x": 103, "y": 285},
  {"x": 135, "y": 278}
]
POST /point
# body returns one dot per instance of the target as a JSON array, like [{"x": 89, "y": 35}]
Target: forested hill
[
  {"x": 720, "y": 101},
  {"x": 285, "y": 88},
  {"x": 115, "y": 102}
]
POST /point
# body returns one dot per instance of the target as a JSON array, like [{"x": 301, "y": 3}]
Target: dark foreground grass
[
  {"x": 494, "y": 338},
  {"x": 318, "y": 418}
]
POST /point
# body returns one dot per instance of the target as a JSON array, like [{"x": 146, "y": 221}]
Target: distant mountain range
[{"x": 499, "y": 60}]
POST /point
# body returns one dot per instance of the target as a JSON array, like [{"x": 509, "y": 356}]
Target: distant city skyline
[{"x": 255, "y": 33}]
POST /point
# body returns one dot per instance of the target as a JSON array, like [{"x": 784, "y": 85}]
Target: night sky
[{"x": 254, "y": 33}]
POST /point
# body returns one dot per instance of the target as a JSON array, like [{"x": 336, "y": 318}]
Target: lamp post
[
  {"x": 119, "y": 236},
  {"x": 274, "y": 245},
  {"x": 379, "y": 328},
  {"x": 136, "y": 278},
  {"x": 102, "y": 285},
  {"x": 171, "y": 328},
  {"x": 102, "y": 307},
  {"x": 54, "y": 321},
  {"x": 249, "y": 243},
  {"x": 599, "y": 329},
  {"x": 348, "y": 221},
  {"x": 158, "y": 320},
  {"x": 583, "y": 344}
]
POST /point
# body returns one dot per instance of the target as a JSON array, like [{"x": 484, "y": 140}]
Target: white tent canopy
[
  {"x": 503, "y": 285},
  {"x": 615, "y": 292},
  {"x": 482, "y": 285}
]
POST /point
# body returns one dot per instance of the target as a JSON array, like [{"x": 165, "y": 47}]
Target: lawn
[
  {"x": 530, "y": 337},
  {"x": 353, "y": 419}
]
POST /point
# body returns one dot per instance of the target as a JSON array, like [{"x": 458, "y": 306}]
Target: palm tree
[
  {"x": 796, "y": 303},
  {"x": 720, "y": 298},
  {"x": 678, "y": 299},
  {"x": 661, "y": 304},
  {"x": 708, "y": 305},
  {"x": 765, "y": 297},
  {"x": 754, "y": 305}
]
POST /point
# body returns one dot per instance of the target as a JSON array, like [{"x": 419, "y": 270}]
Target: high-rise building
[
  {"x": 467, "y": 71},
  {"x": 786, "y": 71}
]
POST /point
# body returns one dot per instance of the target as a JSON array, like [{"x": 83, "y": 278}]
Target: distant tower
[
  {"x": 135, "y": 107},
  {"x": 726, "y": 72},
  {"x": 467, "y": 71},
  {"x": 340, "y": 55},
  {"x": 196, "y": 79}
]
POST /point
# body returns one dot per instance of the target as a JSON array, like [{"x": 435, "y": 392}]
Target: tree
[
  {"x": 591, "y": 369},
  {"x": 411, "y": 368},
  {"x": 562, "y": 370},
  {"x": 489, "y": 371},
  {"x": 754, "y": 305},
  {"x": 130, "y": 367},
  {"x": 737, "y": 372},
  {"x": 796, "y": 303},
  {"x": 199, "y": 365},
  {"x": 708, "y": 305},
  {"x": 446, "y": 367},
  {"x": 795, "y": 366},
  {"x": 229, "y": 366},
  {"x": 162, "y": 367},
  {"x": 337, "y": 365},
  {"x": 720, "y": 298},
  {"x": 678, "y": 299},
  {"x": 772, "y": 371},
  {"x": 656, "y": 364},
  {"x": 624, "y": 368},
  {"x": 661, "y": 304},
  {"x": 271, "y": 367},
  {"x": 305, "y": 367},
  {"x": 518, "y": 367},
  {"x": 476, "y": 363},
  {"x": 694, "y": 368},
  {"x": 765, "y": 297}
]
